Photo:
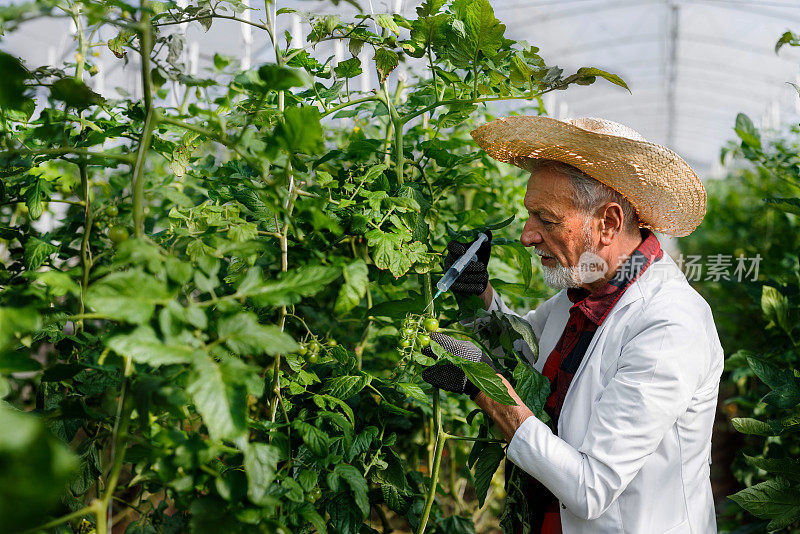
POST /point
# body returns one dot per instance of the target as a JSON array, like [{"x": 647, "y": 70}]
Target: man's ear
[{"x": 611, "y": 222}]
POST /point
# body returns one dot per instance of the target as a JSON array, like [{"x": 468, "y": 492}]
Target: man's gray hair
[{"x": 590, "y": 193}]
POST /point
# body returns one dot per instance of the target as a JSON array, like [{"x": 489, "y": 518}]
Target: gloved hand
[
  {"x": 475, "y": 278},
  {"x": 445, "y": 375}
]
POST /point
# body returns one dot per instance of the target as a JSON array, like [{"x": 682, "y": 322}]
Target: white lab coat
[{"x": 633, "y": 448}]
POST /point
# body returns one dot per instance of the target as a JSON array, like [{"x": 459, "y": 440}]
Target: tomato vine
[{"x": 232, "y": 362}]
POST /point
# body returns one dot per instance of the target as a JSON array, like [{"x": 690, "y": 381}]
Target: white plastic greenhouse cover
[{"x": 691, "y": 65}]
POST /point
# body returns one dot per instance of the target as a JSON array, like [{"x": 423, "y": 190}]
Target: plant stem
[
  {"x": 406, "y": 118},
  {"x": 397, "y": 123},
  {"x": 82, "y": 45},
  {"x": 441, "y": 439},
  {"x": 120, "y": 434},
  {"x": 86, "y": 254},
  {"x": 336, "y": 108},
  {"x": 64, "y": 519},
  {"x": 69, "y": 150},
  {"x": 146, "y": 44}
]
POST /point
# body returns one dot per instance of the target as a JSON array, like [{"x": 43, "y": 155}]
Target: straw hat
[{"x": 666, "y": 192}]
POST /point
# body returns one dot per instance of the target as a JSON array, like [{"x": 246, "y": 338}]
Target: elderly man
[{"x": 630, "y": 349}]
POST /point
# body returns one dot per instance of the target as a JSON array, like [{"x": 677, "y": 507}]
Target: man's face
[{"x": 558, "y": 231}]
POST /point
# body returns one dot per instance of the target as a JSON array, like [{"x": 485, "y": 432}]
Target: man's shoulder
[{"x": 666, "y": 294}]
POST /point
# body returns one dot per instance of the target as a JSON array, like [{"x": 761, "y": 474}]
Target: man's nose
[{"x": 530, "y": 235}]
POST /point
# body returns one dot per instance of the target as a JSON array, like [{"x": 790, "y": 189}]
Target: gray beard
[{"x": 561, "y": 277}]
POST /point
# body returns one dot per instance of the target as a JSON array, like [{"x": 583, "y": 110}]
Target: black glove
[
  {"x": 474, "y": 279},
  {"x": 445, "y": 375}
]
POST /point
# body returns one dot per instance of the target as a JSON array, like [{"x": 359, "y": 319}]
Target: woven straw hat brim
[{"x": 667, "y": 194}]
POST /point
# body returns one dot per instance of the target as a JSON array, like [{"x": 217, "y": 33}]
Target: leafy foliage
[
  {"x": 234, "y": 366},
  {"x": 762, "y": 377}
]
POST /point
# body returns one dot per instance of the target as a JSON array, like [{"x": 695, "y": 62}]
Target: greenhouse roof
[{"x": 691, "y": 65}]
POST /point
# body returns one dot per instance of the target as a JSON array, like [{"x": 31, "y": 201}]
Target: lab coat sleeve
[{"x": 658, "y": 371}]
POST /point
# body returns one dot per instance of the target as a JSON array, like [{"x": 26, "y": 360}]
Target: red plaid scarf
[{"x": 587, "y": 313}]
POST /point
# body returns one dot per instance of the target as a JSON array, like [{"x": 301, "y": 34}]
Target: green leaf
[
  {"x": 588, "y": 74},
  {"x": 394, "y": 499},
  {"x": 315, "y": 439},
  {"x": 344, "y": 387},
  {"x": 356, "y": 280},
  {"x": 250, "y": 199},
  {"x": 14, "y": 94},
  {"x": 524, "y": 329},
  {"x": 533, "y": 388},
  {"x": 485, "y": 468},
  {"x": 747, "y": 131},
  {"x": 482, "y": 32},
  {"x": 769, "y": 373},
  {"x": 385, "y": 20},
  {"x": 277, "y": 78},
  {"x": 414, "y": 391},
  {"x": 430, "y": 7},
  {"x": 35, "y": 468},
  {"x": 774, "y": 499},
  {"x": 397, "y": 309},
  {"x": 37, "y": 252},
  {"x": 219, "y": 392},
  {"x": 15, "y": 322},
  {"x": 301, "y": 130},
  {"x": 260, "y": 465},
  {"x": 345, "y": 517},
  {"x": 58, "y": 283},
  {"x": 74, "y": 93},
  {"x": 789, "y": 205},
  {"x": 118, "y": 43},
  {"x": 244, "y": 335},
  {"x": 788, "y": 467},
  {"x": 775, "y": 308},
  {"x": 392, "y": 251},
  {"x": 486, "y": 379},
  {"x": 747, "y": 425},
  {"x": 349, "y": 68},
  {"x": 143, "y": 346},
  {"x": 15, "y": 362},
  {"x": 787, "y": 38},
  {"x": 35, "y": 197},
  {"x": 385, "y": 62},
  {"x": 358, "y": 485},
  {"x": 303, "y": 282},
  {"x": 126, "y": 296}
]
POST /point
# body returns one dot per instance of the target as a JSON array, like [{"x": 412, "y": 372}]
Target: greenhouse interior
[{"x": 372, "y": 266}]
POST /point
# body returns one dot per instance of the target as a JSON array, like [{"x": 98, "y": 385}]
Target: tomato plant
[{"x": 267, "y": 207}]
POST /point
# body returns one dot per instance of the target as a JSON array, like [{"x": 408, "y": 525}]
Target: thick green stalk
[
  {"x": 120, "y": 436},
  {"x": 64, "y": 519},
  {"x": 146, "y": 45},
  {"x": 400, "y": 158},
  {"x": 80, "y": 60},
  {"x": 441, "y": 439},
  {"x": 86, "y": 254}
]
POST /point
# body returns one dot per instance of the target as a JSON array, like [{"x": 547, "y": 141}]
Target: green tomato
[
  {"x": 314, "y": 347},
  {"x": 316, "y": 492},
  {"x": 312, "y": 357},
  {"x": 332, "y": 343},
  {"x": 431, "y": 324},
  {"x": 117, "y": 234},
  {"x": 111, "y": 211},
  {"x": 408, "y": 333},
  {"x": 423, "y": 340},
  {"x": 303, "y": 350},
  {"x": 404, "y": 343}
]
